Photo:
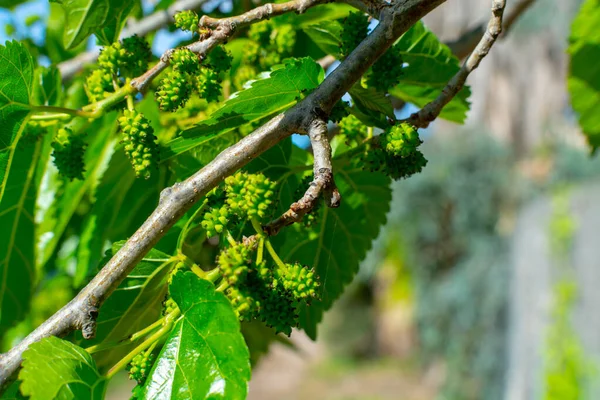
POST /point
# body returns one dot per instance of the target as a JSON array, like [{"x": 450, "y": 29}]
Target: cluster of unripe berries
[
  {"x": 398, "y": 155},
  {"x": 243, "y": 197},
  {"x": 139, "y": 142},
  {"x": 270, "y": 294},
  {"x": 188, "y": 75},
  {"x": 386, "y": 72},
  {"x": 140, "y": 366},
  {"x": 117, "y": 62}
]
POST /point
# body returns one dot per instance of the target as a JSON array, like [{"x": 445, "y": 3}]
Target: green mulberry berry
[
  {"x": 355, "y": 30},
  {"x": 261, "y": 32},
  {"x": 127, "y": 58},
  {"x": 187, "y": 21},
  {"x": 245, "y": 306},
  {"x": 400, "y": 140},
  {"x": 208, "y": 84},
  {"x": 185, "y": 60},
  {"x": 97, "y": 84},
  {"x": 139, "y": 142},
  {"x": 249, "y": 195},
  {"x": 299, "y": 280},
  {"x": 234, "y": 263},
  {"x": 173, "y": 91},
  {"x": 68, "y": 154},
  {"x": 278, "y": 310},
  {"x": 169, "y": 306},
  {"x": 353, "y": 129},
  {"x": 285, "y": 39},
  {"x": 386, "y": 72},
  {"x": 138, "y": 54},
  {"x": 219, "y": 59},
  {"x": 140, "y": 367},
  {"x": 215, "y": 220}
]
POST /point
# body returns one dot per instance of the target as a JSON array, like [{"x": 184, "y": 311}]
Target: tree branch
[
  {"x": 175, "y": 201},
  {"x": 142, "y": 27},
  {"x": 430, "y": 111},
  {"x": 464, "y": 45},
  {"x": 322, "y": 184}
]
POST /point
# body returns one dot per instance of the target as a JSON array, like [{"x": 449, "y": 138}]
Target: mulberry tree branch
[
  {"x": 323, "y": 183},
  {"x": 81, "y": 312},
  {"x": 465, "y": 44},
  {"x": 430, "y": 111}
]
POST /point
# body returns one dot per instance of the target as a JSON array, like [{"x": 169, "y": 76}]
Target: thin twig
[
  {"x": 430, "y": 111},
  {"x": 323, "y": 183},
  {"x": 466, "y": 43}
]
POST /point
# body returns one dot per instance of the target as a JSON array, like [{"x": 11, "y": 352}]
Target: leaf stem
[
  {"x": 186, "y": 227},
  {"x": 147, "y": 329},
  {"x": 260, "y": 250},
  {"x": 274, "y": 255},
  {"x": 230, "y": 238},
  {"x": 169, "y": 319},
  {"x": 212, "y": 275},
  {"x": 53, "y": 112}
]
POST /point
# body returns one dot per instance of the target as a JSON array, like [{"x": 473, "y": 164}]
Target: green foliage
[
  {"x": 584, "y": 76},
  {"x": 16, "y": 81},
  {"x": 205, "y": 355},
  {"x": 56, "y": 369}
]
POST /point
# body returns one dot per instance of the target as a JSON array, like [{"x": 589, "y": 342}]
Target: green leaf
[
  {"x": 431, "y": 64},
  {"x": 84, "y": 17},
  {"x": 117, "y": 17},
  {"x": 10, "y": 3},
  {"x": 205, "y": 356},
  {"x": 339, "y": 242},
  {"x": 47, "y": 86},
  {"x": 315, "y": 15},
  {"x": 326, "y": 35},
  {"x": 371, "y": 106},
  {"x": 274, "y": 94},
  {"x": 16, "y": 79},
  {"x": 13, "y": 393},
  {"x": 17, "y": 257},
  {"x": 135, "y": 304},
  {"x": 59, "y": 199},
  {"x": 584, "y": 70},
  {"x": 56, "y": 369}
]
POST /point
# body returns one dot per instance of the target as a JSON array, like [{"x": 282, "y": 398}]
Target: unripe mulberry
[
  {"x": 244, "y": 304},
  {"x": 249, "y": 195},
  {"x": 139, "y": 142},
  {"x": 261, "y": 32},
  {"x": 169, "y": 306},
  {"x": 173, "y": 91},
  {"x": 278, "y": 310},
  {"x": 354, "y": 130},
  {"x": 140, "y": 366},
  {"x": 68, "y": 153},
  {"x": 400, "y": 140},
  {"x": 185, "y": 61},
  {"x": 208, "y": 84},
  {"x": 219, "y": 59},
  {"x": 386, "y": 72},
  {"x": 355, "y": 29},
  {"x": 127, "y": 58},
  {"x": 243, "y": 74},
  {"x": 97, "y": 84},
  {"x": 215, "y": 220},
  {"x": 299, "y": 280},
  {"x": 285, "y": 39},
  {"x": 234, "y": 263},
  {"x": 187, "y": 21}
]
